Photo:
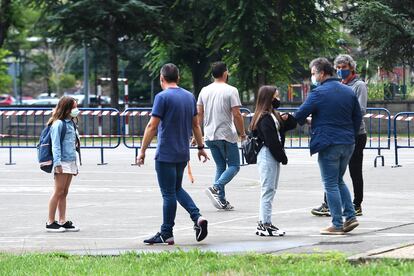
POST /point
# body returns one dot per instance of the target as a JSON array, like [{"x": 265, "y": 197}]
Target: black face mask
[{"x": 275, "y": 103}]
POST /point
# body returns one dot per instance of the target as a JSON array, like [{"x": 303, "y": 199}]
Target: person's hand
[
  {"x": 284, "y": 116},
  {"x": 58, "y": 169},
  {"x": 203, "y": 153},
  {"x": 140, "y": 159},
  {"x": 243, "y": 137},
  {"x": 193, "y": 142},
  {"x": 309, "y": 120}
]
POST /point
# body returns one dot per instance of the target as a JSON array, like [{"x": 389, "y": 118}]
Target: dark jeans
[
  {"x": 170, "y": 176},
  {"x": 355, "y": 169}
]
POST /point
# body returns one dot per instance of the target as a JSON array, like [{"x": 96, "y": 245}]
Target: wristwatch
[{"x": 200, "y": 147}]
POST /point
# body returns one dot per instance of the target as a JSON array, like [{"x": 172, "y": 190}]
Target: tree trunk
[
  {"x": 113, "y": 65},
  {"x": 5, "y": 11}
]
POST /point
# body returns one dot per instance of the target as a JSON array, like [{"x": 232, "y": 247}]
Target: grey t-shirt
[{"x": 217, "y": 100}]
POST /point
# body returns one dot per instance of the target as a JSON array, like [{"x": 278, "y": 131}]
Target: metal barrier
[
  {"x": 407, "y": 118},
  {"x": 21, "y": 128},
  {"x": 134, "y": 121}
]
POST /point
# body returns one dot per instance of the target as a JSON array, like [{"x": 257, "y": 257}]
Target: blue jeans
[
  {"x": 333, "y": 162},
  {"x": 227, "y": 159},
  {"x": 170, "y": 176},
  {"x": 269, "y": 170}
]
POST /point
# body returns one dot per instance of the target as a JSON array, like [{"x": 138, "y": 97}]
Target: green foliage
[
  {"x": 5, "y": 79},
  {"x": 375, "y": 91},
  {"x": 386, "y": 30},
  {"x": 62, "y": 82},
  {"x": 196, "y": 263}
]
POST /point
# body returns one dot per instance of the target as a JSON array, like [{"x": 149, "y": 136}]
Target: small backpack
[
  {"x": 44, "y": 148},
  {"x": 250, "y": 148}
]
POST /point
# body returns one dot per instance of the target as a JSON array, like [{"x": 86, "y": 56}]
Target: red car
[{"x": 6, "y": 100}]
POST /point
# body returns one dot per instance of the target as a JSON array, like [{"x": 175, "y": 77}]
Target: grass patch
[{"x": 196, "y": 263}]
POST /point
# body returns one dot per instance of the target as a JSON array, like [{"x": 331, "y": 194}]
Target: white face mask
[
  {"x": 314, "y": 81},
  {"x": 74, "y": 113}
]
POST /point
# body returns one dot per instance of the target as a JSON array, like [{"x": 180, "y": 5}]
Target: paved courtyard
[{"x": 118, "y": 205}]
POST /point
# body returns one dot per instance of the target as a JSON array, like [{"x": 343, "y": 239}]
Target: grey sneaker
[
  {"x": 358, "y": 210},
  {"x": 350, "y": 225},
  {"x": 332, "y": 230},
  {"x": 225, "y": 205},
  {"x": 322, "y": 210}
]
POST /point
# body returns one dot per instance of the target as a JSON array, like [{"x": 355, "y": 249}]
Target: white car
[{"x": 44, "y": 102}]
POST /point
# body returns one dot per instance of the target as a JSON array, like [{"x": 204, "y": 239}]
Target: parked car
[
  {"x": 93, "y": 99},
  {"x": 44, "y": 102},
  {"x": 6, "y": 99},
  {"x": 46, "y": 95}
]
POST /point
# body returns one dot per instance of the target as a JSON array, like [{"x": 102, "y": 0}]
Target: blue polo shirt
[{"x": 176, "y": 107}]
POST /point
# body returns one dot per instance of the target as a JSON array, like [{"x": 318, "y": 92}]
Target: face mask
[
  {"x": 74, "y": 113},
  {"x": 343, "y": 73},
  {"x": 275, "y": 103},
  {"x": 314, "y": 81}
]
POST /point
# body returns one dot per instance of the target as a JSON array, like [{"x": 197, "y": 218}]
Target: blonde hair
[{"x": 62, "y": 109}]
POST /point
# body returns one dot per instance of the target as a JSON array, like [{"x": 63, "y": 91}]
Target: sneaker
[
  {"x": 350, "y": 225},
  {"x": 160, "y": 239},
  {"x": 268, "y": 230},
  {"x": 332, "y": 230},
  {"x": 225, "y": 205},
  {"x": 323, "y": 210},
  {"x": 358, "y": 210},
  {"x": 213, "y": 194},
  {"x": 201, "y": 229},
  {"x": 55, "y": 227},
  {"x": 69, "y": 227}
]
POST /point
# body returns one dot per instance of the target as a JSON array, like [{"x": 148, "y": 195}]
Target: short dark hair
[
  {"x": 170, "y": 72},
  {"x": 218, "y": 68},
  {"x": 322, "y": 64}
]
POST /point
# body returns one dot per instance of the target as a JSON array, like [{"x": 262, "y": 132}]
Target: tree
[
  {"x": 58, "y": 59},
  {"x": 111, "y": 22},
  {"x": 386, "y": 30},
  {"x": 262, "y": 39}
]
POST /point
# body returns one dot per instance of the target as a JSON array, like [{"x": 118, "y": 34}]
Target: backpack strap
[{"x": 77, "y": 142}]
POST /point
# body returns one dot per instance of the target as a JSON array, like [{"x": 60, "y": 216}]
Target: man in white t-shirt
[{"x": 218, "y": 109}]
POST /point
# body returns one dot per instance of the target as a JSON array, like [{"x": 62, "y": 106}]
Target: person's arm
[
  {"x": 199, "y": 139},
  {"x": 200, "y": 114},
  {"x": 238, "y": 121},
  {"x": 55, "y": 131},
  {"x": 289, "y": 122},
  {"x": 307, "y": 108},
  {"x": 356, "y": 116},
  {"x": 271, "y": 139},
  {"x": 150, "y": 132},
  {"x": 362, "y": 95}
]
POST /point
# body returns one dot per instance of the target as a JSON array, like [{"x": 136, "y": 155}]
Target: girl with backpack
[
  {"x": 65, "y": 165},
  {"x": 269, "y": 127}
]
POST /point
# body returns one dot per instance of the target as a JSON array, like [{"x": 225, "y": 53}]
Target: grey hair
[
  {"x": 345, "y": 59},
  {"x": 322, "y": 64}
]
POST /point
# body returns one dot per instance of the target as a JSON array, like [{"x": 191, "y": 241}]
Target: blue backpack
[{"x": 44, "y": 148}]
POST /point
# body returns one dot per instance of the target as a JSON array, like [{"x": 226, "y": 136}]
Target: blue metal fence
[{"x": 403, "y": 133}]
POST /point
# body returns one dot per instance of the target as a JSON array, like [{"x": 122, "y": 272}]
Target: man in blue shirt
[
  {"x": 336, "y": 117},
  {"x": 174, "y": 116}
]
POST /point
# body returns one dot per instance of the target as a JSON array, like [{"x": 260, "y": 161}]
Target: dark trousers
[
  {"x": 355, "y": 169},
  {"x": 170, "y": 176}
]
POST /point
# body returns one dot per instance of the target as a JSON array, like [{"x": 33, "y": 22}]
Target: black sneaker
[
  {"x": 264, "y": 229},
  {"x": 323, "y": 210},
  {"x": 225, "y": 205},
  {"x": 69, "y": 227},
  {"x": 160, "y": 239},
  {"x": 201, "y": 229},
  {"x": 213, "y": 194},
  {"x": 358, "y": 210},
  {"x": 55, "y": 227}
]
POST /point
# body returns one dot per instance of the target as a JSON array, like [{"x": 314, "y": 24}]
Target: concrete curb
[{"x": 375, "y": 254}]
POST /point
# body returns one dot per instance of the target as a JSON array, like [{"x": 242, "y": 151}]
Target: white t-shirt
[{"x": 217, "y": 100}]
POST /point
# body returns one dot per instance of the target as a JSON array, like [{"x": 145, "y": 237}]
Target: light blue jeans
[
  {"x": 227, "y": 159},
  {"x": 333, "y": 162},
  {"x": 269, "y": 170}
]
